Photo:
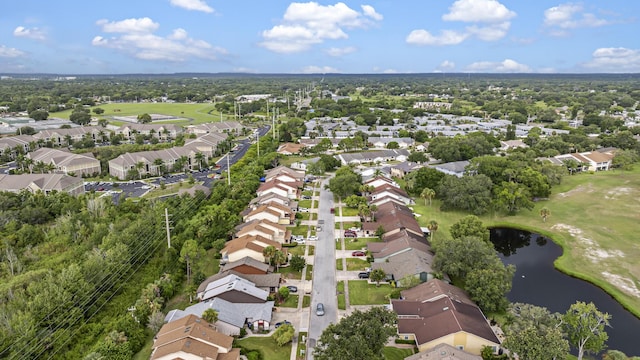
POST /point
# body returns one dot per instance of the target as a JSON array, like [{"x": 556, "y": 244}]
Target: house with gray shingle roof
[{"x": 46, "y": 183}]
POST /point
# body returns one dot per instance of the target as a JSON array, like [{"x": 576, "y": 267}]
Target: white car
[
  {"x": 299, "y": 241},
  {"x": 312, "y": 238}
]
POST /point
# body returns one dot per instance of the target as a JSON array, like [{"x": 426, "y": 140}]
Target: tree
[
  {"x": 488, "y": 286},
  {"x": 433, "y": 227},
  {"x": 279, "y": 258},
  {"x": 584, "y": 325},
  {"x": 534, "y": 333},
  {"x": 378, "y": 275},
  {"x": 393, "y": 145},
  {"x": 459, "y": 256},
  {"x": 361, "y": 335},
  {"x": 297, "y": 263},
  {"x": 156, "y": 320},
  {"x": 545, "y": 213},
  {"x": 470, "y": 225},
  {"x": 98, "y": 111},
  {"x": 379, "y": 232},
  {"x": 470, "y": 193},
  {"x": 418, "y": 157},
  {"x": 512, "y": 197},
  {"x": 144, "y": 118},
  {"x": 39, "y": 115},
  {"x": 80, "y": 116},
  {"x": 268, "y": 253},
  {"x": 427, "y": 193},
  {"x": 210, "y": 315},
  {"x": 283, "y": 293},
  {"x": 190, "y": 254},
  {"x": 624, "y": 159},
  {"x": 345, "y": 183},
  {"x": 284, "y": 334}
]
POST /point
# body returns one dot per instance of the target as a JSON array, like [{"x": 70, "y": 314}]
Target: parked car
[
  {"x": 286, "y": 322},
  {"x": 292, "y": 288},
  {"x": 299, "y": 241},
  {"x": 312, "y": 238},
  {"x": 363, "y": 275},
  {"x": 333, "y": 210},
  {"x": 349, "y": 234},
  {"x": 306, "y": 197},
  {"x": 320, "y": 309},
  {"x": 358, "y": 253},
  {"x": 302, "y": 209}
]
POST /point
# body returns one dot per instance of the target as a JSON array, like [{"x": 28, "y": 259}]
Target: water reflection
[{"x": 537, "y": 282}]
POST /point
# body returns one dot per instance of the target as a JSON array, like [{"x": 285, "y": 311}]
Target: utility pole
[{"x": 166, "y": 220}]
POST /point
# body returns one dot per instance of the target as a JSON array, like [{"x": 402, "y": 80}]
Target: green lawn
[
  {"x": 358, "y": 243},
  {"x": 186, "y": 113},
  {"x": 291, "y": 302},
  {"x": 339, "y": 264},
  {"x": 341, "y": 298},
  {"x": 309, "y": 274},
  {"x": 304, "y": 204},
  {"x": 296, "y": 250},
  {"x": 356, "y": 264},
  {"x": 308, "y": 192},
  {"x": 267, "y": 346},
  {"x": 312, "y": 250},
  {"x": 288, "y": 273},
  {"x": 594, "y": 219},
  {"x": 348, "y": 211},
  {"x": 362, "y": 293},
  {"x": 299, "y": 230},
  {"x": 393, "y": 353},
  {"x": 305, "y": 216},
  {"x": 306, "y": 301}
]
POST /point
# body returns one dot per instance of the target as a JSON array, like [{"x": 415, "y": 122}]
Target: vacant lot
[{"x": 594, "y": 217}]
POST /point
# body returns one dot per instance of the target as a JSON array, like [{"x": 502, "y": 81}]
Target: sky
[{"x": 276, "y": 36}]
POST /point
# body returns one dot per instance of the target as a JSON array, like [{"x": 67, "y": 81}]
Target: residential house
[
  {"x": 432, "y": 313},
  {"x": 273, "y": 198},
  {"x": 289, "y": 149},
  {"x": 66, "y": 162},
  {"x": 206, "y": 144},
  {"x": 273, "y": 212},
  {"x": 246, "y": 265},
  {"x": 443, "y": 352},
  {"x": 456, "y": 168},
  {"x": 10, "y": 145},
  {"x": 284, "y": 174},
  {"x": 231, "y": 316},
  {"x": 404, "y": 168},
  {"x": 228, "y": 127},
  {"x": 192, "y": 338},
  {"x": 266, "y": 282},
  {"x": 264, "y": 228},
  {"x": 393, "y": 218},
  {"x": 45, "y": 183},
  {"x": 390, "y": 191},
  {"x": 406, "y": 267},
  {"x": 383, "y": 143},
  {"x": 591, "y": 160},
  {"x": 396, "y": 244},
  {"x": 380, "y": 181},
  {"x": 65, "y": 137},
  {"x": 512, "y": 144},
  {"x": 163, "y": 132},
  {"x": 157, "y": 162},
  {"x": 247, "y": 245},
  {"x": 287, "y": 189},
  {"x": 233, "y": 288}
]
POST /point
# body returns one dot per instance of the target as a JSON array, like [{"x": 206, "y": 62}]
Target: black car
[
  {"x": 363, "y": 275},
  {"x": 292, "y": 288},
  {"x": 286, "y": 322}
]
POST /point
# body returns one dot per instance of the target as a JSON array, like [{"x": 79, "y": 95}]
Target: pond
[{"x": 537, "y": 282}]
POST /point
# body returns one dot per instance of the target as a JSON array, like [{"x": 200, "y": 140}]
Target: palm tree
[
  {"x": 139, "y": 166},
  {"x": 279, "y": 258},
  {"x": 433, "y": 227},
  {"x": 545, "y": 213},
  {"x": 373, "y": 209},
  {"x": 268, "y": 253},
  {"x": 200, "y": 159},
  {"x": 28, "y": 162},
  {"x": 210, "y": 315},
  {"x": 159, "y": 164},
  {"x": 427, "y": 194}
]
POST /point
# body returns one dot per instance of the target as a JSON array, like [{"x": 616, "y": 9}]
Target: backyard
[{"x": 266, "y": 346}]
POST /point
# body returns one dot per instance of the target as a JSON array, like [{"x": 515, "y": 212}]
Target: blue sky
[{"x": 275, "y": 36}]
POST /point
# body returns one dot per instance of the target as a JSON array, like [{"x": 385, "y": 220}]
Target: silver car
[{"x": 320, "y": 309}]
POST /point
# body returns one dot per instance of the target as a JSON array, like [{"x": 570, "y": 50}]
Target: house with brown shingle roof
[
  {"x": 400, "y": 242},
  {"x": 289, "y": 149},
  {"x": 288, "y": 189},
  {"x": 192, "y": 338},
  {"x": 392, "y": 191},
  {"x": 435, "y": 312},
  {"x": 393, "y": 218},
  {"x": 247, "y": 245},
  {"x": 284, "y": 173},
  {"x": 265, "y": 228},
  {"x": 246, "y": 265},
  {"x": 284, "y": 215}
]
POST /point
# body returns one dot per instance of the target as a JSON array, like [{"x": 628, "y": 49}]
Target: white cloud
[
  {"x": 446, "y": 37},
  {"x": 306, "y": 24},
  {"x": 492, "y": 16},
  {"x": 139, "y": 41},
  {"x": 491, "y": 32},
  {"x": 371, "y": 12},
  {"x": 487, "y": 11},
  {"x": 506, "y": 66},
  {"x": 568, "y": 16},
  {"x": 312, "y": 69},
  {"x": 337, "y": 52},
  {"x": 196, "y": 5},
  {"x": 446, "y": 65},
  {"x": 33, "y": 33},
  {"x": 141, "y": 25},
  {"x": 7, "y": 52},
  {"x": 616, "y": 60}
]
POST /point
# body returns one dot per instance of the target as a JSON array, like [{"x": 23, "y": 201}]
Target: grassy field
[
  {"x": 356, "y": 264},
  {"x": 594, "y": 217},
  {"x": 363, "y": 293},
  {"x": 186, "y": 114},
  {"x": 267, "y": 346},
  {"x": 348, "y": 211},
  {"x": 309, "y": 274},
  {"x": 394, "y": 353},
  {"x": 341, "y": 298}
]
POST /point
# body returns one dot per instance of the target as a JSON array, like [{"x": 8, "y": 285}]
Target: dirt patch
[
  {"x": 578, "y": 189},
  {"x": 626, "y": 285},
  {"x": 592, "y": 251},
  {"x": 619, "y": 191}
]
